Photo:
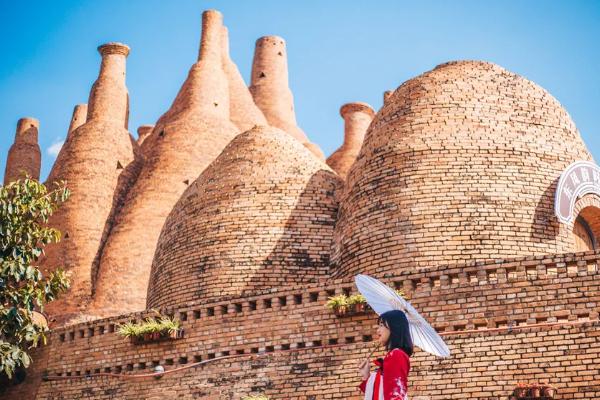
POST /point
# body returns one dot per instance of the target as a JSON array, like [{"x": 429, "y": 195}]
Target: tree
[{"x": 25, "y": 206}]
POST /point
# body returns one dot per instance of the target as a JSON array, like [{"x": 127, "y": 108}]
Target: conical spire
[
  {"x": 109, "y": 99},
  {"x": 187, "y": 138},
  {"x": 24, "y": 156},
  {"x": 79, "y": 117},
  {"x": 243, "y": 112},
  {"x": 270, "y": 87},
  {"x": 99, "y": 162},
  {"x": 143, "y": 132},
  {"x": 357, "y": 118}
]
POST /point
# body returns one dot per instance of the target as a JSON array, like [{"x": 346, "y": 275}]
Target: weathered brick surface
[
  {"x": 260, "y": 216},
  {"x": 24, "y": 155},
  {"x": 461, "y": 163},
  {"x": 324, "y": 349},
  {"x": 100, "y": 161}
]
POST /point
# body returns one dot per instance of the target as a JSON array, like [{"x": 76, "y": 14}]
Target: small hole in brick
[
  {"x": 97, "y": 370},
  {"x": 169, "y": 361},
  {"x": 62, "y": 337},
  {"x": 183, "y": 360},
  {"x": 262, "y": 75},
  {"x": 282, "y": 301},
  {"x": 197, "y": 358},
  {"x": 81, "y": 333},
  {"x": 270, "y": 349},
  {"x": 225, "y": 353},
  {"x": 216, "y": 104},
  {"x": 224, "y": 309},
  {"x": 254, "y": 350},
  {"x": 317, "y": 343},
  {"x": 330, "y": 293},
  {"x": 238, "y": 307},
  {"x": 101, "y": 329},
  {"x": 69, "y": 373},
  {"x": 210, "y": 311},
  {"x": 118, "y": 369},
  {"x": 297, "y": 299},
  {"x": 252, "y": 305},
  {"x": 142, "y": 365},
  {"x": 71, "y": 335},
  {"x": 196, "y": 314},
  {"x": 267, "y": 303},
  {"x": 129, "y": 367},
  {"x": 285, "y": 346},
  {"x": 333, "y": 341},
  {"x": 119, "y": 165},
  {"x": 367, "y": 338},
  {"x": 155, "y": 363},
  {"x": 187, "y": 181},
  {"x": 111, "y": 328},
  {"x": 439, "y": 329},
  {"x": 239, "y": 351},
  {"x": 541, "y": 319},
  {"x": 90, "y": 332},
  {"x": 347, "y": 291},
  {"x": 161, "y": 133},
  {"x": 314, "y": 296},
  {"x": 350, "y": 339},
  {"x": 397, "y": 285},
  {"x": 300, "y": 345},
  {"x": 66, "y": 235},
  {"x": 279, "y": 53},
  {"x": 211, "y": 356},
  {"x": 460, "y": 327},
  {"x": 107, "y": 370}
]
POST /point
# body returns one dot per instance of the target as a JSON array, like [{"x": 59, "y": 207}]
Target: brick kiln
[{"x": 224, "y": 215}]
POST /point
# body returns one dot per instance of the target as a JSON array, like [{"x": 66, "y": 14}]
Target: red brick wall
[{"x": 485, "y": 364}]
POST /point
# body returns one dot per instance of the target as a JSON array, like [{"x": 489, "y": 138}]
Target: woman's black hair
[{"x": 397, "y": 323}]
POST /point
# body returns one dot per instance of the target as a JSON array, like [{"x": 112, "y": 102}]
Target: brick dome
[
  {"x": 260, "y": 216},
  {"x": 461, "y": 163}
]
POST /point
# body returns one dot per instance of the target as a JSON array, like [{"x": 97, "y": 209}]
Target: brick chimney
[
  {"x": 143, "y": 132},
  {"x": 109, "y": 99},
  {"x": 357, "y": 118},
  {"x": 24, "y": 156},
  {"x": 79, "y": 117},
  {"x": 270, "y": 88},
  {"x": 186, "y": 139},
  {"x": 243, "y": 111}
]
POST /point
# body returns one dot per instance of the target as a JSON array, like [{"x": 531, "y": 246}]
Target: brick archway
[{"x": 586, "y": 227}]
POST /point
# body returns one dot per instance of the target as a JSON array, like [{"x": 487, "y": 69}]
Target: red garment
[{"x": 396, "y": 366}]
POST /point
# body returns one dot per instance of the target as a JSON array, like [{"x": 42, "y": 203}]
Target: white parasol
[{"x": 382, "y": 298}]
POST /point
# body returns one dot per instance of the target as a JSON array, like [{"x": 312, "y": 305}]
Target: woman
[{"x": 390, "y": 380}]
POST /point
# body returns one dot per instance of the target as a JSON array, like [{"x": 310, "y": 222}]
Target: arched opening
[{"x": 586, "y": 229}]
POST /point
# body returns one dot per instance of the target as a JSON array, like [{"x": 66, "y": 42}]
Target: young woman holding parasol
[{"x": 398, "y": 326}]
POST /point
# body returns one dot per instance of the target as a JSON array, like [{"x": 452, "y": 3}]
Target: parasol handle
[{"x": 374, "y": 350}]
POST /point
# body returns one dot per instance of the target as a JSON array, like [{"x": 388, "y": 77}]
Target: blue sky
[{"x": 339, "y": 51}]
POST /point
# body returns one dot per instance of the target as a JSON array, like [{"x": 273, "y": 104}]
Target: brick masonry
[{"x": 288, "y": 345}]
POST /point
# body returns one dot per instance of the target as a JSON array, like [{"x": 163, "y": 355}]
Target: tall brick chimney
[
  {"x": 109, "y": 99},
  {"x": 24, "y": 155},
  {"x": 386, "y": 96},
  {"x": 270, "y": 88},
  {"x": 143, "y": 132},
  {"x": 79, "y": 117},
  {"x": 99, "y": 162},
  {"x": 357, "y": 118},
  {"x": 244, "y": 113},
  {"x": 186, "y": 139}
]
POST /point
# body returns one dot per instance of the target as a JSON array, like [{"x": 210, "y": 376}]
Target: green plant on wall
[
  {"x": 25, "y": 206},
  {"x": 339, "y": 301},
  {"x": 160, "y": 324}
]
